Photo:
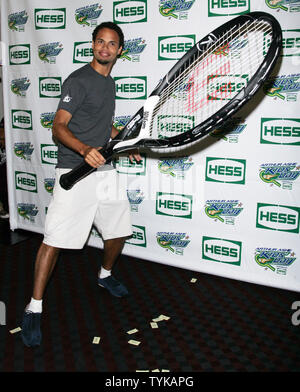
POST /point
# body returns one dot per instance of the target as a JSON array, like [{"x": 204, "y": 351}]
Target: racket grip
[{"x": 68, "y": 180}]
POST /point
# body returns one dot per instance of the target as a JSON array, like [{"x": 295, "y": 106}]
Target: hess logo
[
  {"x": 131, "y": 87},
  {"x": 26, "y": 181},
  {"x": 221, "y": 250},
  {"x": 130, "y": 11},
  {"x": 173, "y": 204},
  {"x": 277, "y": 217},
  {"x": 226, "y": 170}
]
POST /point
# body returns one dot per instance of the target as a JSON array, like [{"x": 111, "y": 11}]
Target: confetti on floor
[
  {"x": 132, "y": 331},
  {"x": 15, "y": 330},
  {"x": 193, "y": 280},
  {"x": 96, "y": 340},
  {"x": 154, "y": 325},
  {"x": 134, "y": 342},
  {"x": 161, "y": 318}
]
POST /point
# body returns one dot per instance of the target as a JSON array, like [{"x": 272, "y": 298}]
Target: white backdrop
[{"x": 228, "y": 206}]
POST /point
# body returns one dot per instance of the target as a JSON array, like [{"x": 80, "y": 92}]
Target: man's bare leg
[{"x": 44, "y": 264}]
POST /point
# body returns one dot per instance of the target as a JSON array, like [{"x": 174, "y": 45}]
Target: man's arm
[{"x": 63, "y": 134}]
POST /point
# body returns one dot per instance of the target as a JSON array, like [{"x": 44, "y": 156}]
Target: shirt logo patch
[{"x": 67, "y": 98}]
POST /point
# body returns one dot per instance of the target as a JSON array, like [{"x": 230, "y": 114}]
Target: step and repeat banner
[{"x": 230, "y": 205}]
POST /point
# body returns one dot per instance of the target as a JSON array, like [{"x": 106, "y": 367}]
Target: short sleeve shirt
[{"x": 90, "y": 98}]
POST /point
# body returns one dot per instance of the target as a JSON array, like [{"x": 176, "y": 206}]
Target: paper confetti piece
[
  {"x": 165, "y": 370},
  {"x": 132, "y": 331},
  {"x": 15, "y": 330},
  {"x": 155, "y": 370},
  {"x": 142, "y": 370},
  {"x": 96, "y": 340},
  {"x": 154, "y": 325},
  {"x": 134, "y": 342},
  {"x": 193, "y": 280},
  {"x": 160, "y": 318}
]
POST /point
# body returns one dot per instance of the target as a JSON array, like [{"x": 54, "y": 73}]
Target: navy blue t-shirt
[{"x": 90, "y": 98}]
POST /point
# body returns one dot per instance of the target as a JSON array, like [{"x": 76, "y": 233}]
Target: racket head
[{"x": 213, "y": 80}]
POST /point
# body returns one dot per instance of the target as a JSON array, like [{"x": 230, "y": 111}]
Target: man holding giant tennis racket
[
  {"x": 83, "y": 122},
  {"x": 201, "y": 85}
]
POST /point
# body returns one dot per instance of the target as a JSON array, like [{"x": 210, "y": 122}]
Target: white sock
[
  {"x": 35, "y": 305},
  {"x": 104, "y": 273}
]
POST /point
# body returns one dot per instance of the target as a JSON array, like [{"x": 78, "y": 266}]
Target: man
[{"x": 83, "y": 123}]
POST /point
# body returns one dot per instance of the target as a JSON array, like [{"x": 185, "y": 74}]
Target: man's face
[{"x": 106, "y": 46}]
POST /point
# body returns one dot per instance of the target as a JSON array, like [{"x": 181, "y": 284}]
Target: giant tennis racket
[{"x": 202, "y": 90}]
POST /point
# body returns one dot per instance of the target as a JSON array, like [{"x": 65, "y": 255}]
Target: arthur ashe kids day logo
[
  {"x": 48, "y": 52},
  {"x": 23, "y": 150},
  {"x": 231, "y": 131},
  {"x": 284, "y": 5},
  {"x": 228, "y": 7},
  {"x": 285, "y": 87},
  {"x": 223, "y": 210},
  {"x": 173, "y": 242},
  {"x": 132, "y": 49},
  {"x": 175, "y": 167},
  {"x": 135, "y": 198},
  {"x": 20, "y": 86},
  {"x": 175, "y": 9},
  {"x": 88, "y": 15},
  {"x": 17, "y": 21},
  {"x": 27, "y": 211},
  {"x": 274, "y": 259},
  {"x": 280, "y": 175},
  {"x": 46, "y": 119}
]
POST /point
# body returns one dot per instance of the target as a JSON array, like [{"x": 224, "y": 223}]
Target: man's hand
[
  {"x": 93, "y": 157},
  {"x": 135, "y": 155}
]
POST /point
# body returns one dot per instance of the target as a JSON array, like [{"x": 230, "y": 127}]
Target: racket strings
[{"x": 186, "y": 96}]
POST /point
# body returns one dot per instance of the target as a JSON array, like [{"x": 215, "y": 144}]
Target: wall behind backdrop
[{"x": 228, "y": 206}]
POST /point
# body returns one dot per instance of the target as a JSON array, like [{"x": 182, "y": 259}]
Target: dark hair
[{"x": 112, "y": 26}]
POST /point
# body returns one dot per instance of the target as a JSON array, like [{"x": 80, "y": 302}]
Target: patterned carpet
[{"x": 214, "y": 325}]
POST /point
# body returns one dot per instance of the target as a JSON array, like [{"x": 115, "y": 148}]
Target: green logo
[
  {"x": 124, "y": 166},
  {"x": 285, "y": 131},
  {"x": 138, "y": 237},
  {"x": 19, "y": 54},
  {"x": 277, "y": 217},
  {"x": 26, "y": 181},
  {"x": 173, "y": 47},
  {"x": 49, "y": 154},
  {"x": 21, "y": 119},
  {"x": 227, "y": 170},
  {"x": 221, "y": 250},
  {"x": 130, "y": 11},
  {"x": 173, "y": 204},
  {"x": 50, "y": 18},
  {"x": 50, "y": 87},
  {"x": 83, "y": 52},
  {"x": 228, "y": 7}
]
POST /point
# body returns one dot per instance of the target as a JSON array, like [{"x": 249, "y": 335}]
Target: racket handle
[{"x": 68, "y": 180}]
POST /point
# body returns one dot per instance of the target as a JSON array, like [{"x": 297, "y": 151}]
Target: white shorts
[{"x": 95, "y": 200}]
